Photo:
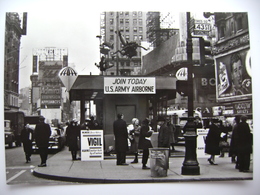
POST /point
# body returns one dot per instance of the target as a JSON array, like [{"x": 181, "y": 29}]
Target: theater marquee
[{"x": 129, "y": 85}]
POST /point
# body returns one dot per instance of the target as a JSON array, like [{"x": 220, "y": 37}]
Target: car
[
  {"x": 56, "y": 141},
  {"x": 9, "y": 134}
]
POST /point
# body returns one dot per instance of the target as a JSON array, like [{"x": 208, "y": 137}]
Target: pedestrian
[
  {"x": 144, "y": 141},
  {"x": 42, "y": 134},
  {"x": 165, "y": 134},
  {"x": 244, "y": 141},
  {"x": 134, "y": 133},
  {"x": 224, "y": 144},
  {"x": 233, "y": 145},
  {"x": 26, "y": 139},
  {"x": 212, "y": 141},
  {"x": 72, "y": 137},
  {"x": 121, "y": 139}
]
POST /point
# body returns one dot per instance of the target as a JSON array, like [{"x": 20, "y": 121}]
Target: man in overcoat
[
  {"x": 121, "y": 142},
  {"x": 42, "y": 134}
]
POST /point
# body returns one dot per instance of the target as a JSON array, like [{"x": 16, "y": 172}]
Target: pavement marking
[
  {"x": 21, "y": 167},
  {"x": 15, "y": 176}
]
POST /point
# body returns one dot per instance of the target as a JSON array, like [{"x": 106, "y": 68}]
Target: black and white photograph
[{"x": 111, "y": 98}]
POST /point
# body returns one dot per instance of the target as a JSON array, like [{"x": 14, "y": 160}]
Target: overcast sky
[{"x": 74, "y": 30}]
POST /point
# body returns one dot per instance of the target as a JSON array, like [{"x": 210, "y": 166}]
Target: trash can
[{"x": 159, "y": 161}]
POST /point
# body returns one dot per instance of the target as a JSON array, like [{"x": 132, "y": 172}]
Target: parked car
[
  {"x": 9, "y": 134},
  {"x": 56, "y": 141}
]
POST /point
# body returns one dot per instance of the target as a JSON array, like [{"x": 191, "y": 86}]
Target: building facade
[
  {"x": 132, "y": 26},
  {"x": 233, "y": 64},
  {"x": 15, "y": 27},
  {"x": 47, "y": 91}
]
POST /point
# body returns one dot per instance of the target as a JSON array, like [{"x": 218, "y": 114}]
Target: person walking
[
  {"x": 72, "y": 138},
  {"x": 121, "y": 142},
  {"x": 212, "y": 142},
  {"x": 26, "y": 139},
  {"x": 244, "y": 141},
  {"x": 42, "y": 134},
  {"x": 144, "y": 142},
  {"x": 134, "y": 133}
]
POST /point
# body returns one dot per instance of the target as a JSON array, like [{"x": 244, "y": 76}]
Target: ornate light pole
[{"x": 190, "y": 164}]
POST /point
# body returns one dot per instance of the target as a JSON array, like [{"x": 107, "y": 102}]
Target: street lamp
[{"x": 190, "y": 164}]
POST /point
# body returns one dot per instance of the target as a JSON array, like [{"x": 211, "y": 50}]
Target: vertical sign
[
  {"x": 202, "y": 134},
  {"x": 92, "y": 145},
  {"x": 34, "y": 63}
]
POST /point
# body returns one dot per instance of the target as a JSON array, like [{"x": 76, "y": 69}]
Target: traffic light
[
  {"x": 205, "y": 52},
  {"x": 182, "y": 87}
]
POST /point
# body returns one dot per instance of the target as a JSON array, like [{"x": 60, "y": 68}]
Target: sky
[{"x": 74, "y": 30}]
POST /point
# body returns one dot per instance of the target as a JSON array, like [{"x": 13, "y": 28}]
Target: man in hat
[{"x": 42, "y": 134}]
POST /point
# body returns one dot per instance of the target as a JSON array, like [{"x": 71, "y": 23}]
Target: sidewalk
[{"x": 61, "y": 167}]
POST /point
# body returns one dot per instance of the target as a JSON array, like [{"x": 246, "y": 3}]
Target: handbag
[{"x": 223, "y": 144}]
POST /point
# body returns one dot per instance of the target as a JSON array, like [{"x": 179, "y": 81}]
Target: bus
[{"x": 16, "y": 119}]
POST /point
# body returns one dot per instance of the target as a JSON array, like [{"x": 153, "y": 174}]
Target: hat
[{"x": 41, "y": 118}]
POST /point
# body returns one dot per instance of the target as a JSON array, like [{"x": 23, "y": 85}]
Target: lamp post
[{"x": 190, "y": 164}]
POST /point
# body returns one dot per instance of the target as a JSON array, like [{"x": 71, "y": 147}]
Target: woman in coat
[
  {"x": 212, "y": 142},
  {"x": 134, "y": 132},
  {"x": 72, "y": 137},
  {"x": 145, "y": 143}
]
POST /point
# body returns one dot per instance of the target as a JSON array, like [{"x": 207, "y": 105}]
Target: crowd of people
[{"x": 240, "y": 146}]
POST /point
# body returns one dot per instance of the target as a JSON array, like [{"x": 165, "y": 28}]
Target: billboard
[{"x": 233, "y": 76}]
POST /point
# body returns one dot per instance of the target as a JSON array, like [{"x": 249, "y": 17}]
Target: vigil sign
[{"x": 129, "y": 85}]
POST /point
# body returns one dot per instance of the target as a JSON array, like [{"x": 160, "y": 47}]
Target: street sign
[{"x": 200, "y": 27}]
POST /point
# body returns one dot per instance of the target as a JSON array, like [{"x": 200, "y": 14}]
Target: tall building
[
  {"x": 47, "y": 89},
  {"x": 15, "y": 27},
  {"x": 132, "y": 26}
]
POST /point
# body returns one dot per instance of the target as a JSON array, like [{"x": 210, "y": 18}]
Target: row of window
[
  {"x": 127, "y": 29},
  {"x": 127, "y": 14},
  {"x": 122, "y": 21},
  {"x": 127, "y": 37}
]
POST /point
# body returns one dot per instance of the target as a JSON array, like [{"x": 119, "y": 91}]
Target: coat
[
  {"x": 143, "y": 142},
  {"x": 121, "y": 135},
  {"x": 164, "y": 136},
  {"x": 212, "y": 140},
  {"x": 26, "y": 139},
  {"x": 244, "y": 139},
  {"x": 42, "y": 134},
  {"x": 72, "y": 137},
  {"x": 233, "y": 142}
]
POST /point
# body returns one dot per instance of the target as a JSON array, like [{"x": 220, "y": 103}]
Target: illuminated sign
[
  {"x": 92, "y": 145},
  {"x": 129, "y": 85},
  {"x": 233, "y": 80}
]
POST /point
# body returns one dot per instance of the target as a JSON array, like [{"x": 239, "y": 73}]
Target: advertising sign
[
  {"x": 92, "y": 145},
  {"x": 129, "y": 85},
  {"x": 233, "y": 76}
]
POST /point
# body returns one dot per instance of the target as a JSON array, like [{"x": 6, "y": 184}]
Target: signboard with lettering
[
  {"x": 129, "y": 85},
  {"x": 202, "y": 134},
  {"x": 233, "y": 79},
  {"x": 92, "y": 148},
  {"x": 200, "y": 27}
]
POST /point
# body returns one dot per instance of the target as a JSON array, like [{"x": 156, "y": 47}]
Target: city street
[{"x": 19, "y": 172}]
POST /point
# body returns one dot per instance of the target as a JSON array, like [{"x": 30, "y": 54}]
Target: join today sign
[
  {"x": 92, "y": 145},
  {"x": 129, "y": 85}
]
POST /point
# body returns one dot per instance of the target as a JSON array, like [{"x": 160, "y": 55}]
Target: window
[
  {"x": 111, "y": 38},
  {"x": 126, "y": 29},
  {"x": 140, "y": 22},
  {"x": 111, "y": 29},
  {"x": 111, "y": 13},
  {"x": 121, "y": 28},
  {"x": 127, "y": 14},
  {"x": 111, "y": 21},
  {"x": 135, "y": 29},
  {"x": 122, "y": 21},
  {"x": 135, "y": 37},
  {"x": 127, "y": 21},
  {"x": 134, "y": 14},
  {"x": 140, "y": 14},
  {"x": 140, "y": 29},
  {"x": 127, "y": 37},
  {"x": 140, "y": 37},
  {"x": 135, "y": 21}
]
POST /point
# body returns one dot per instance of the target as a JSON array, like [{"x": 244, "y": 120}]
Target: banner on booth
[{"x": 129, "y": 85}]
